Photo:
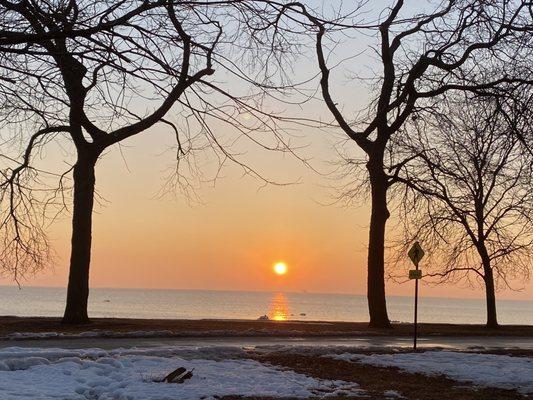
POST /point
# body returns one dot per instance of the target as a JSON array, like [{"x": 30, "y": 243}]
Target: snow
[
  {"x": 129, "y": 374},
  {"x": 187, "y": 352},
  {"x": 393, "y": 394},
  {"x": 154, "y": 334},
  {"x": 490, "y": 370},
  {"x": 110, "y": 334}
]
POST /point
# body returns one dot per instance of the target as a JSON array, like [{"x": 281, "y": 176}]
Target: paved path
[{"x": 460, "y": 343}]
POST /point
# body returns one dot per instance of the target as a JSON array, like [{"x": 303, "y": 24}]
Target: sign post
[{"x": 415, "y": 254}]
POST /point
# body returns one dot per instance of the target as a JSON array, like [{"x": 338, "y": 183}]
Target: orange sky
[{"x": 230, "y": 240}]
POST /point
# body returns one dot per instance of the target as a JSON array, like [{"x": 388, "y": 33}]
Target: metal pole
[{"x": 416, "y": 311}]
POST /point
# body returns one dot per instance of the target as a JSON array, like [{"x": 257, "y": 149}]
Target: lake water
[{"x": 192, "y": 304}]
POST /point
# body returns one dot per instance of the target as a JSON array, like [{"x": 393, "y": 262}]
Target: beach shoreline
[{"x": 29, "y": 327}]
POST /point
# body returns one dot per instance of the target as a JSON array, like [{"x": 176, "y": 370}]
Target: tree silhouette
[
  {"x": 421, "y": 56},
  {"x": 95, "y": 73},
  {"x": 471, "y": 192}
]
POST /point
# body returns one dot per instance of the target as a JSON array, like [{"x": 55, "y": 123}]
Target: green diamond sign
[{"x": 416, "y": 253}]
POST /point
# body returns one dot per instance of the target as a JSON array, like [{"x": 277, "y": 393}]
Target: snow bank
[
  {"x": 491, "y": 370},
  {"x": 90, "y": 334},
  {"x": 159, "y": 334},
  {"x": 393, "y": 394},
  {"x": 129, "y": 374},
  {"x": 187, "y": 352},
  {"x": 96, "y": 333}
]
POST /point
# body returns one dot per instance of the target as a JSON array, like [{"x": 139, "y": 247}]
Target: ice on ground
[
  {"x": 490, "y": 370},
  {"x": 154, "y": 334},
  {"x": 210, "y": 352},
  {"x": 113, "y": 334},
  {"x": 393, "y": 394},
  {"x": 129, "y": 375}
]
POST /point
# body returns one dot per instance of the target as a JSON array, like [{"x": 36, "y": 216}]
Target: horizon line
[{"x": 256, "y": 291}]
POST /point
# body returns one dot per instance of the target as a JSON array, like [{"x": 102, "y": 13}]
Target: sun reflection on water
[{"x": 279, "y": 308}]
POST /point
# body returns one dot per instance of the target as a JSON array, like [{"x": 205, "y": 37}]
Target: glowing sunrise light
[{"x": 280, "y": 268}]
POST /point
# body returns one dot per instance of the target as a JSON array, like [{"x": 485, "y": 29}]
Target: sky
[{"x": 230, "y": 236}]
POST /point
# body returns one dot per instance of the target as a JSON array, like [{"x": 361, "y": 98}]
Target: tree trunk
[
  {"x": 490, "y": 294},
  {"x": 377, "y": 304},
  {"x": 80, "y": 258}
]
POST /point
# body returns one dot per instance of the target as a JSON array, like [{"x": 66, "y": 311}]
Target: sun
[{"x": 280, "y": 268}]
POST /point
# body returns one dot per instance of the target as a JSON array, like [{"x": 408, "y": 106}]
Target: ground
[
  {"x": 12, "y": 325},
  {"x": 378, "y": 380},
  {"x": 121, "y": 359},
  {"x": 271, "y": 372}
]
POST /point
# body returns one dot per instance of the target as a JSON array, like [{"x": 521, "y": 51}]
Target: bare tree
[
  {"x": 420, "y": 57},
  {"x": 90, "y": 74},
  {"x": 471, "y": 193}
]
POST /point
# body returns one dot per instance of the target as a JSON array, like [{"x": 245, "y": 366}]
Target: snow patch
[
  {"x": 156, "y": 334},
  {"x": 130, "y": 373},
  {"x": 393, "y": 394},
  {"x": 13, "y": 358},
  {"x": 490, "y": 370}
]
